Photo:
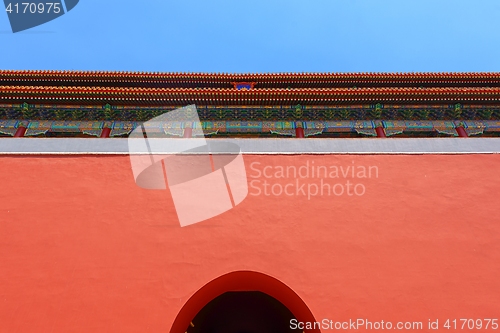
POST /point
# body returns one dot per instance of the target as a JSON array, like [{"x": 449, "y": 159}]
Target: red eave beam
[
  {"x": 21, "y": 130},
  {"x": 188, "y": 132},
  {"x": 105, "y": 132},
  {"x": 299, "y": 131},
  {"x": 380, "y": 132},
  {"x": 461, "y": 132}
]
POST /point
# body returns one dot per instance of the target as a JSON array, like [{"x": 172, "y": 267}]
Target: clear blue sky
[{"x": 262, "y": 36}]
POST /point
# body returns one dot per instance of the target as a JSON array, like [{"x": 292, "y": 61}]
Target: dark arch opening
[
  {"x": 240, "y": 283},
  {"x": 243, "y": 312}
]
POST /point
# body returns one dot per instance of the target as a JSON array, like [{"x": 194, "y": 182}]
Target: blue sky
[{"x": 262, "y": 36}]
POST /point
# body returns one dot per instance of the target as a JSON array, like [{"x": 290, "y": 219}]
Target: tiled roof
[
  {"x": 250, "y": 76},
  {"x": 134, "y": 88},
  {"x": 262, "y": 79},
  {"x": 313, "y": 96}
]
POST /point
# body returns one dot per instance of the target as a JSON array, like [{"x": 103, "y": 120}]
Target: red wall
[{"x": 83, "y": 249}]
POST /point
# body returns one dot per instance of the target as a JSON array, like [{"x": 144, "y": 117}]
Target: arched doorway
[
  {"x": 243, "y": 295},
  {"x": 243, "y": 312}
]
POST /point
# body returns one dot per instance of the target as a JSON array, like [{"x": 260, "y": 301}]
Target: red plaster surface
[{"x": 83, "y": 249}]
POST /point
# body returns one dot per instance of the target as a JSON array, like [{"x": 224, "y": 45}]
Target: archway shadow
[{"x": 255, "y": 289}]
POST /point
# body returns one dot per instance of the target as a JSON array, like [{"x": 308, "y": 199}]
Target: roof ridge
[{"x": 251, "y": 74}]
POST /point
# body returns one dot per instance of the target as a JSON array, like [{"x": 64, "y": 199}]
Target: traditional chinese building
[
  {"x": 371, "y": 203},
  {"x": 52, "y": 103}
]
